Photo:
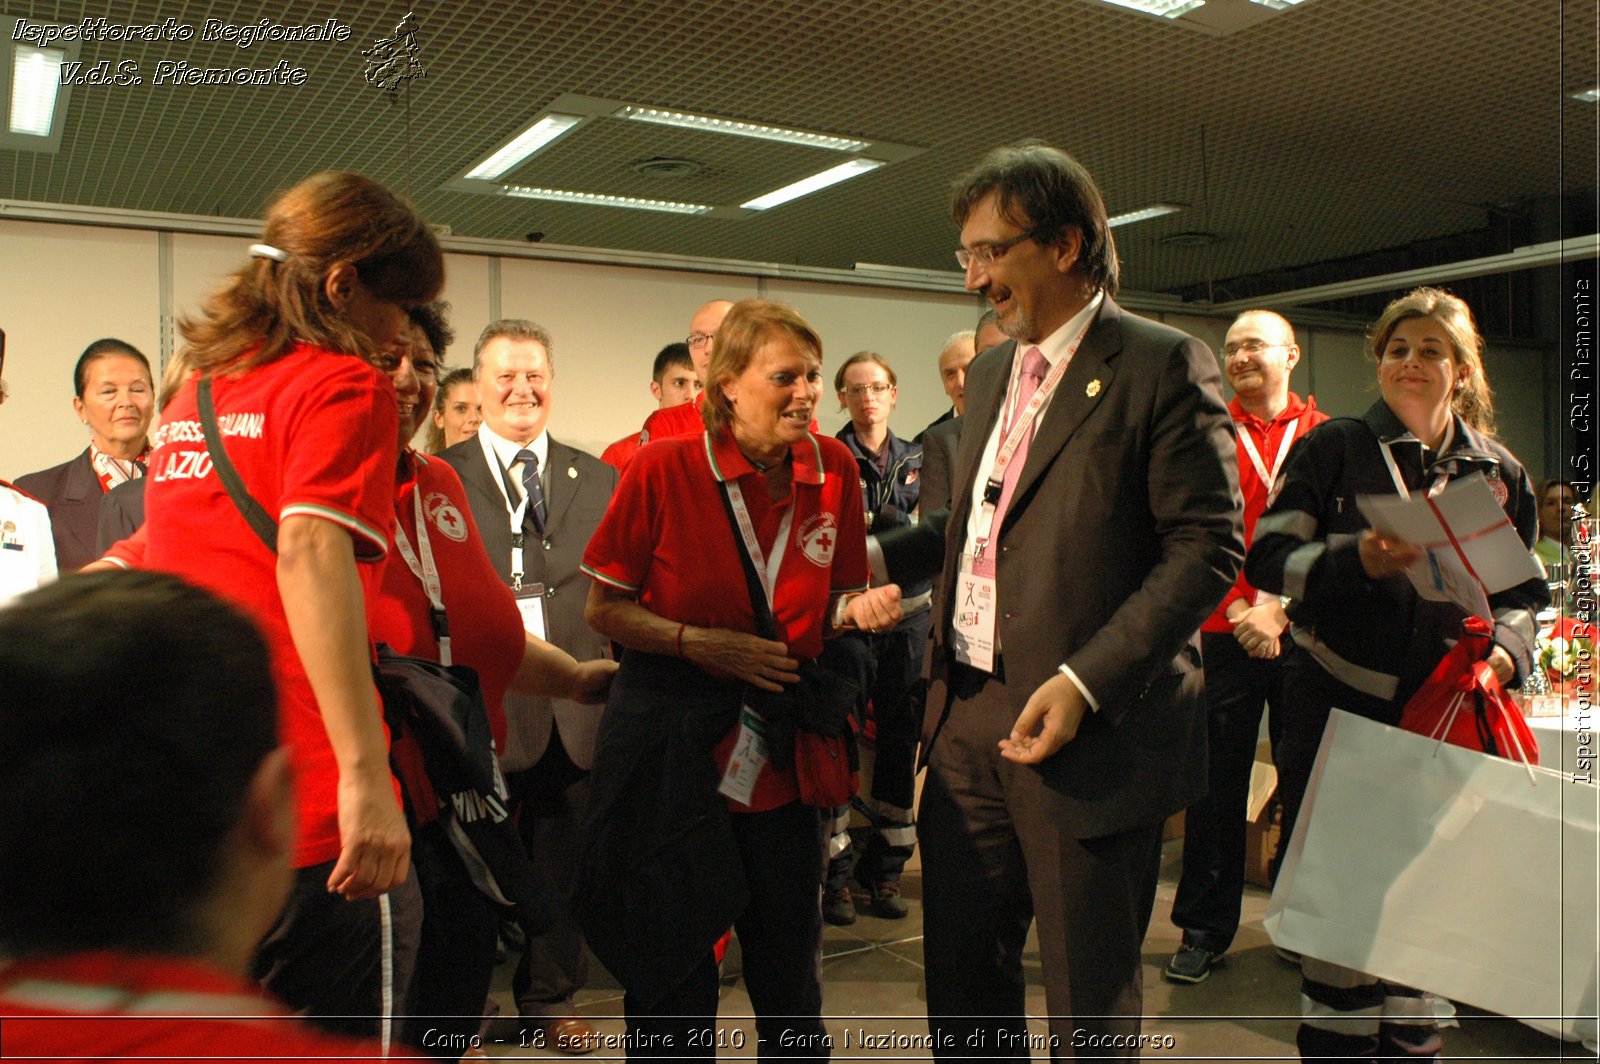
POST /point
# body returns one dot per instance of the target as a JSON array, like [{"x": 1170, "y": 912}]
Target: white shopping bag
[{"x": 1448, "y": 870}]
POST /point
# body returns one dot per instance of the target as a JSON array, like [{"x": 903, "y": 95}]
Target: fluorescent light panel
[
  {"x": 805, "y": 186},
  {"x": 1143, "y": 214},
  {"x": 1278, "y": 5},
  {"x": 595, "y": 199},
  {"x": 525, "y": 144},
  {"x": 36, "y": 76},
  {"x": 707, "y": 124},
  {"x": 1588, "y": 95},
  {"x": 1164, "y": 8}
]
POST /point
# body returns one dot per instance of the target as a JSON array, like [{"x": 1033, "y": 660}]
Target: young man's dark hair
[
  {"x": 138, "y": 709},
  {"x": 674, "y": 354}
]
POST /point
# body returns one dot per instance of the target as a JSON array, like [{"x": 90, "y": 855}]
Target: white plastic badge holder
[
  {"x": 530, "y": 603},
  {"x": 749, "y": 758},
  {"x": 973, "y": 636}
]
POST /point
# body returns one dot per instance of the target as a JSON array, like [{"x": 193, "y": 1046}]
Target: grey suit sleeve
[{"x": 1193, "y": 496}]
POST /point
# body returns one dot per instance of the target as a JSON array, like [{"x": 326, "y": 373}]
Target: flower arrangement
[{"x": 1566, "y": 653}]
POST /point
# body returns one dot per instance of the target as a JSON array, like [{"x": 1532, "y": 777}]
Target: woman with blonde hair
[
  {"x": 690, "y": 829},
  {"x": 1369, "y": 639},
  {"x": 311, "y": 428}
]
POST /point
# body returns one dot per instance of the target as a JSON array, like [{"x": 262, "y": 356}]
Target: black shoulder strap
[
  {"x": 765, "y": 625},
  {"x": 258, "y": 518}
]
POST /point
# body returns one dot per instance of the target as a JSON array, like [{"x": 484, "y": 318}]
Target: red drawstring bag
[{"x": 1464, "y": 704}]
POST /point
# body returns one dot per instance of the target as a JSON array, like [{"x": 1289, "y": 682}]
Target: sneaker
[
  {"x": 838, "y": 908},
  {"x": 1191, "y": 964},
  {"x": 885, "y": 901}
]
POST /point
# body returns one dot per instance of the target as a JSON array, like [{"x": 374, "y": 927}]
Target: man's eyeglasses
[
  {"x": 877, "y": 388},
  {"x": 1251, "y": 346},
  {"x": 695, "y": 340},
  {"x": 985, "y": 254}
]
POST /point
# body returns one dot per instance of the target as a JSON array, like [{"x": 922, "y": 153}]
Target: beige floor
[{"x": 1246, "y": 1010}]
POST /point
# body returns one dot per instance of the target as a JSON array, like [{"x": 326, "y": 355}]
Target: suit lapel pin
[
  {"x": 572, "y": 473},
  {"x": 1092, "y": 389}
]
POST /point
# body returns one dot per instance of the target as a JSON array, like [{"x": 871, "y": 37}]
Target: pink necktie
[{"x": 1034, "y": 369}]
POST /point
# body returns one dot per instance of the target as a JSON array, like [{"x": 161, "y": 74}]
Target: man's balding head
[
  {"x": 958, "y": 352},
  {"x": 703, "y": 330}
]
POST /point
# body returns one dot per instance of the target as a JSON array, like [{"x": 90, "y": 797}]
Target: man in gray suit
[
  {"x": 536, "y": 502},
  {"x": 1094, "y": 526}
]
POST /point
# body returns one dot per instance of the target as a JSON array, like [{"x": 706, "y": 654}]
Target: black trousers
[
  {"x": 345, "y": 965},
  {"x": 1212, "y": 884},
  {"x": 549, "y": 800},
  {"x": 780, "y": 941},
  {"x": 994, "y": 860},
  {"x": 455, "y": 960}
]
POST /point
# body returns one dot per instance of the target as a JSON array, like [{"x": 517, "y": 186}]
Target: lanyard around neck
[
  {"x": 421, "y": 564},
  {"x": 1020, "y": 424},
  {"x": 1268, "y": 477},
  {"x": 766, "y": 568},
  {"x": 1387, "y": 447}
]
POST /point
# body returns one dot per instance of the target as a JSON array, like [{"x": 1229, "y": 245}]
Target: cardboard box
[{"x": 1262, "y": 812}]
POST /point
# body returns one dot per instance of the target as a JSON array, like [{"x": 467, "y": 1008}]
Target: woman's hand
[
  {"x": 590, "y": 681},
  {"x": 1500, "y": 661},
  {"x": 1383, "y": 555},
  {"x": 759, "y": 662},
  {"x": 875, "y": 610},
  {"x": 374, "y": 841}
]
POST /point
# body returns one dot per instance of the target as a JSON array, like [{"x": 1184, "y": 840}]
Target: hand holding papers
[{"x": 1469, "y": 548}]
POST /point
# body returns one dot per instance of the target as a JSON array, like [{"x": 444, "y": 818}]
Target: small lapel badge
[
  {"x": 572, "y": 472},
  {"x": 1092, "y": 389}
]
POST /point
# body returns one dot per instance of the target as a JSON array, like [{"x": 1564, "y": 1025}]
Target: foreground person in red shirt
[
  {"x": 146, "y": 827},
  {"x": 671, "y": 588}
]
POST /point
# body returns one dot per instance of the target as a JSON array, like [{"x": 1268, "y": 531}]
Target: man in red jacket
[
  {"x": 1242, "y": 646},
  {"x": 674, "y": 381}
]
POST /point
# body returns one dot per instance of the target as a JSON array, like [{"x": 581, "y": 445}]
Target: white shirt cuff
[{"x": 1087, "y": 697}]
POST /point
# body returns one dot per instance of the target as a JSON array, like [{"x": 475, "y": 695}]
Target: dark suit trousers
[
  {"x": 995, "y": 859},
  {"x": 1212, "y": 884},
  {"x": 551, "y": 797}
]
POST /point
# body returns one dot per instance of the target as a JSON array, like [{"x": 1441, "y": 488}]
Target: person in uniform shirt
[
  {"x": 890, "y": 474},
  {"x": 1243, "y": 646},
  {"x": 684, "y": 419},
  {"x": 433, "y": 530},
  {"x": 27, "y": 550},
  {"x": 670, "y": 587},
  {"x": 310, "y": 426},
  {"x": 1365, "y": 641},
  {"x": 673, "y": 382},
  {"x": 114, "y": 397},
  {"x": 146, "y": 828}
]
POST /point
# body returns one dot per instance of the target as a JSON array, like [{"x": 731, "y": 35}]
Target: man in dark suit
[
  {"x": 1065, "y": 721},
  {"x": 536, "y": 503}
]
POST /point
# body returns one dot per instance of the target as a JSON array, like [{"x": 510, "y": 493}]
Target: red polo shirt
[
  {"x": 117, "y": 1006},
  {"x": 1300, "y": 417},
  {"x": 667, "y": 539}
]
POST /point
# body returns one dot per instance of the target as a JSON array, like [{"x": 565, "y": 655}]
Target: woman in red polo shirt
[
  {"x": 433, "y": 532},
  {"x": 711, "y": 833},
  {"x": 310, "y": 426}
]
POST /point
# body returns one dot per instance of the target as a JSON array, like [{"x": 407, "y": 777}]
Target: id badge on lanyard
[
  {"x": 749, "y": 756},
  {"x": 973, "y": 627},
  {"x": 530, "y": 603},
  {"x": 748, "y": 759}
]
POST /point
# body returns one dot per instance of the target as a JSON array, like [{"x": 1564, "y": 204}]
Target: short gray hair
[
  {"x": 514, "y": 329},
  {"x": 964, "y": 336}
]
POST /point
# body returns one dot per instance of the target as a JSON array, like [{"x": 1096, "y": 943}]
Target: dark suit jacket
[
  {"x": 121, "y": 513},
  {"x": 1123, "y": 534},
  {"x": 579, "y": 491},
  {"x": 71, "y": 492},
  {"x": 938, "y": 456}
]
